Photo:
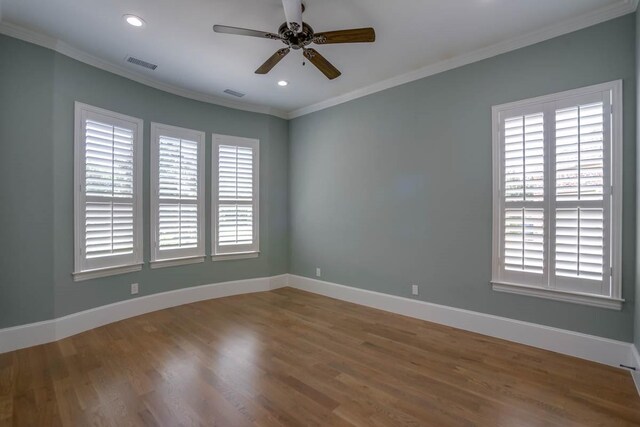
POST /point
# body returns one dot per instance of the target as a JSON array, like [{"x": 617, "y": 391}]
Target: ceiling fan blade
[
  {"x": 355, "y": 35},
  {"x": 245, "y": 32},
  {"x": 272, "y": 61},
  {"x": 322, "y": 64},
  {"x": 293, "y": 14}
]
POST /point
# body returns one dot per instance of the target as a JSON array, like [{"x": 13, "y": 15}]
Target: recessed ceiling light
[
  {"x": 283, "y": 83},
  {"x": 133, "y": 20}
]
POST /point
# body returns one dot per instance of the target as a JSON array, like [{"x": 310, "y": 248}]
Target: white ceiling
[{"x": 411, "y": 34}]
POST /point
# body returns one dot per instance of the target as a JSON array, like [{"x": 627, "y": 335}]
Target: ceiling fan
[{"x": 297, "y": 34}]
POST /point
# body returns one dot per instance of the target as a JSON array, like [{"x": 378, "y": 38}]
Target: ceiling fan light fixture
[
  {"x": 283, "y": 83},
  {"x": 134, "y": 21}
]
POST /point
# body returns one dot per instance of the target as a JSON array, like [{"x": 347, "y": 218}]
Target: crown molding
[
  {"x": 613, "y": 11},
  {"x": 63, "y": 48}
]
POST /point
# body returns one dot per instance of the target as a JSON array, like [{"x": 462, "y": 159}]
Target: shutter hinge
[{"x": 611, "y": 271}]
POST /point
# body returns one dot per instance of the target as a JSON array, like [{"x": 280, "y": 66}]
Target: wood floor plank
[{"x": 289, "y": 358}]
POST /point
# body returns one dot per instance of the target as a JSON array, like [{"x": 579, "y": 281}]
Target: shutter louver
[
  {"x": 235, "y": 184},
  {"x": 523, "y": 238},
  {"x": 579, "y": 243},
  {"x": 579, "y": 153},
  {"x": 109, "y": 159},
  {"x": 177, "y": 193},
  {"x": 235, "y": 173},
  {"x": 235, "y": 209},
  {"x": 109, "y": 229},
  {"x": 524, "y": 158},
  {"x": 235, "y": 225},
  {"x": 557, "y": 196},
  {"x": 580, "y": 188},
  {"x": 177, "y": 226}
]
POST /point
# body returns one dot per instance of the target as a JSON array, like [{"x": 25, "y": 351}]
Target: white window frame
[
  {"x": 235, "y": 252},
  {"x": 107, "y": 266},
  {"x": 171, "y": 258},
  {"x": 548, "y": 104}
]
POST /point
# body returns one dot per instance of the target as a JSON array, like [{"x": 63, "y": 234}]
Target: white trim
[
  {"x": 22, "y": 336},
  {"x": 79, "y": 276},
  {"x": 584, "y": 346},
  {"x": 558, "y": 295},
  {"x": 635, "y": 363},
  {"x": 237, "y": 141},
  {"x": 235, "y": 256},
  {"x": 176, "y": 262},
  {"x": 615, "y": 85},
  {"x": 606, "y": 13},
  {"x": 43, "y": 40},
  {"x": 589, "y": 347},
  {"x": 623, "y": 7},
  {"x": 161, "y": 130},
  {"x": 113, "y": 263},
  {"x": 617, "y": 145},
  {"x": 550, "y": 286}
]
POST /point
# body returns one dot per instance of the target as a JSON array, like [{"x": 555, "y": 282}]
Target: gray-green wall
[
  {"x": 26, "y": 183},
  {"x": 636, "y": 328},
  {"x": 380, "y": 192},
  {"x": 395, "y": 188},
  {"x": 37, "y": 92}
]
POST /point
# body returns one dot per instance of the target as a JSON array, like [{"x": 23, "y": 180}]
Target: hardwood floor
[{"x": 289, "y": 357}]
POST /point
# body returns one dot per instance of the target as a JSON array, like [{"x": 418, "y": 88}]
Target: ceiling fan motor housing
[{"x": 296, "y": 40}]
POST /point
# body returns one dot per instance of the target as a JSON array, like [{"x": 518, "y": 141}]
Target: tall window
[
  {"x": 177, "y": 196},
  {"x": 235, "y": 177},
  {"x": 557, "y": 196},
  {"x": 108, "y": 202}
]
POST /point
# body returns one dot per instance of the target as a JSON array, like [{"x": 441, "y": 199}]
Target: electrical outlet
[
  {"x": 134, "y": 288},
  {"x": 318, "y": 272},
  {"x": 414, "y": 289}
]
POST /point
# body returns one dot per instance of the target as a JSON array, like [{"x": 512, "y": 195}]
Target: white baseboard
[
  {"x": 635, "y": 362},
  {"x": 62, "y": 327},
  {"x": 590, "y": 347}
]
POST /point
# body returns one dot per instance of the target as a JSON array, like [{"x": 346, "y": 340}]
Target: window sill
[
  {"x": 174, "y": 262},
  {"x": 554, "y": 294},
  {"x": 235, "y": 256},
  {"x": 104, "y": 272}
]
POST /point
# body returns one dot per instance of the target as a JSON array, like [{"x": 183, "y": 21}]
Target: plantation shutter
[
  {"x": 557, "y": 195},
  {"x": 179, "y": 200},
  {"x": 107, "y": 205},
  {"x": 235, "y": 195},
  {"x": 581, "y": 207},
  {"x": 523, "y": 236},
  {"x": 109, "y": 189}
]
